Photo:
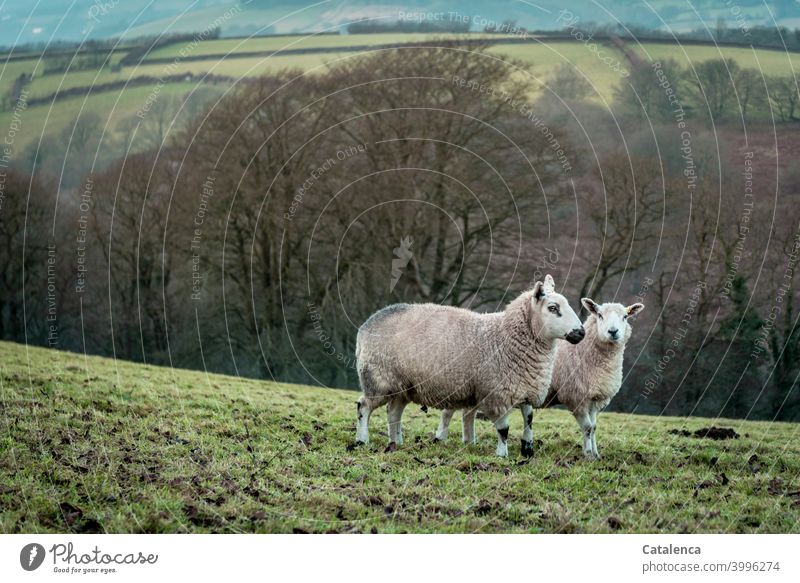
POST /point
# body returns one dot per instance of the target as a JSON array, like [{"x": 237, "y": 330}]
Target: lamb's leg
[
  {"x": 501, "y": 425},
  {"x": 444, "y": 425},
  {"x": 364, "y": 411},
  {"x": 395, "y": 415},
  {"x": 593, "y": 417},
  {"x": 468, "y": 425},
  {"x": 526, "y": 447},
  {"x": 585, "y": 421}
]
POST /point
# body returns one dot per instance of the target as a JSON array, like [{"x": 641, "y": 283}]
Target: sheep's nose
[
  {"x": 613, "y": 332},
  {"x": 576, "y": 335}
]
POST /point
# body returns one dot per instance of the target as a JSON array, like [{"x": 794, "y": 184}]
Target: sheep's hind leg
[
  {"x": 395, "y": 415},
  {"x": 584, "y": 419},
  {"x": 526, "y": 445},
  {"x": 468, "y": 426},
  {"x": 501, "y": 425},
  {"x": 444, "y": 425}
]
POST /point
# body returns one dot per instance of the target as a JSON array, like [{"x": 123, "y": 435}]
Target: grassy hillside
[
  {"x": 89, "y": 444},
  {"x": 542, "y": 57}
]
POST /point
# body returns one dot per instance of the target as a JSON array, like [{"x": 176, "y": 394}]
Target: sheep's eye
[
  {"x": 553, "y": 309},
  {"x": 599, "y": 315}
]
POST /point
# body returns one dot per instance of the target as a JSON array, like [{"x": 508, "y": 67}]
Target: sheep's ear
[
  {"x": 590, "y": 305},
  {"x": 538, "y": 291},
  {"x": 549, "y": 284},
  {"x": 634, "y": 309}
]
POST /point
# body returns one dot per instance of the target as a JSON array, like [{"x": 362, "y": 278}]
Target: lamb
[
  {"x": 585, "y": 377},
  {"x": 447, "y": 357}
]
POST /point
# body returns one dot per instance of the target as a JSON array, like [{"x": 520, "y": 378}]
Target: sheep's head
[
  {"x": 557, "y": 320},
  {"x": 612, "y": 320}
]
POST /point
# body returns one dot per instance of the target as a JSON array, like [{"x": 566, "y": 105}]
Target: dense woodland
[{"x": 253, "y": 235}]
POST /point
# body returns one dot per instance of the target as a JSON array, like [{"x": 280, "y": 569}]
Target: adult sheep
[
  {"x": 446, "y": 357},
  {"x": 585, "y": 377}
]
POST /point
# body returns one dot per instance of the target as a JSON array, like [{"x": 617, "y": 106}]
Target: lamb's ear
[
  {"x": 634, "y": 309},
  {"x": 549, "y": 284},
  {"x": 538, "y": 291},
  {"x": 590, "y": 305}
]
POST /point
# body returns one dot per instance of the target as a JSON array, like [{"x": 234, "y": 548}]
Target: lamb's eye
[
  {"x": 553, "y": 309},
  {"x": 600, "y": 316}
]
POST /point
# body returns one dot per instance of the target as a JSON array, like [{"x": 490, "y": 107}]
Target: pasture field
[
  {"x": 46, "y": 85},
  {"x": 545, "y": 57},
  {"x": 310, "y": 41},
  {"x": 94, "y": 445},
  {"x": 542, "y": 57},
  {"x": 112, "y": 106}
]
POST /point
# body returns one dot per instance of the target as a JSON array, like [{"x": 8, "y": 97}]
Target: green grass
[
  {"x": 40, "y": 120},
  {"x": 247, "y": 66},
  {"x": 545, "y": 57},
  {"x": 96, "y": 445}
]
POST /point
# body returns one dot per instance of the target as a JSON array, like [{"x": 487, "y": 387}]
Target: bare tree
[
  {"x": 714, "y": 88},
  {"x": 784, "y": 98},
  {"x": 624, "y": 205}
]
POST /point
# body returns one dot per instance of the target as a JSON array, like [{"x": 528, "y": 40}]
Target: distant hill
[{"x": 50, "y": 20}]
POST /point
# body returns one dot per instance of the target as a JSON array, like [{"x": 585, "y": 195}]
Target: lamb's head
[
  {"x": 611, "y": 320},
  {"x": 556, "y": 319}
]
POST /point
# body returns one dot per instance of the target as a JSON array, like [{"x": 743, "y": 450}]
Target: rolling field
[
  {"x": 93, "y": 445},
  {"x": 296, "y": 42},
  {"x": 113, "y": 106},
  {"x": 542, "y": 58}
]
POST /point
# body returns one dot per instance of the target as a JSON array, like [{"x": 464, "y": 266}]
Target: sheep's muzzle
[{"x": 576, "y": 335}]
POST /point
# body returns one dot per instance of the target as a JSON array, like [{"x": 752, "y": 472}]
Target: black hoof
[
  {"x": 391, "y": 447},
  {"x": 355, "y": 444},
  {"x": 526, "y": 448}
]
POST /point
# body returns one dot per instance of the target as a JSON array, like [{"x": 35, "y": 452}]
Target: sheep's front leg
[
  {"x": 444, "y": 425},
  {"x": 526, "y": 447},
  {"x": 584, "y": 419},
  {"x": 501, "y": 425},
  {"x": 468, "y": 425},
  {"x": 593, "y": 417},
  {"x": 396, "y": 407},
  {"x": 362, "y": 427}
]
